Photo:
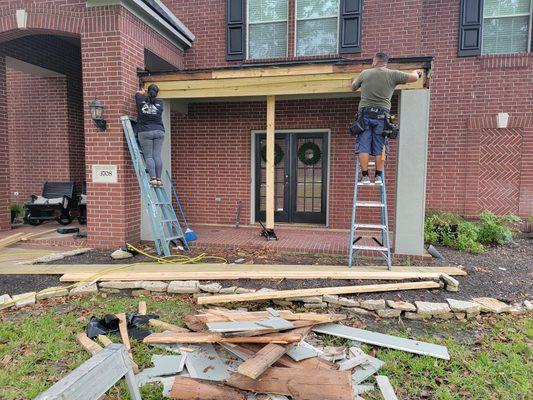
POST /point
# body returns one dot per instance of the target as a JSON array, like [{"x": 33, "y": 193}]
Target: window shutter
[
  {"x": 350, "y": 26},
  {"x": 235, "y": 18},
  {"x": 470, "y": 28}
]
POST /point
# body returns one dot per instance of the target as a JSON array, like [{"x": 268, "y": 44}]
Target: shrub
[{"x": 16, "y": 209}]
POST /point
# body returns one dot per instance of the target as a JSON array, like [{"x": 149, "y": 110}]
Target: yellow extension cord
[{"x": 178, "y": 259}]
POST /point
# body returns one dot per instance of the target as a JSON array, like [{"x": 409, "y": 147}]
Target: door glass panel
[
  {"x": 309, "y": 176},
  {"x": 279, "y": 176}
]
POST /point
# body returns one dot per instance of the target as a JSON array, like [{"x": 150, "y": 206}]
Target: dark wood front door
[{"x": 300, "y": 177}]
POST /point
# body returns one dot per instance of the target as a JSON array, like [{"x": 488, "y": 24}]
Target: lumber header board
[{"x": 268, "y": 81}]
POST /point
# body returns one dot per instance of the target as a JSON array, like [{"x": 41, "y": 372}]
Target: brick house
[{"x": 58, "y": 55}]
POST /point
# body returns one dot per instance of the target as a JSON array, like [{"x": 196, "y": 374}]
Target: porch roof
[{"x": 325, "y": 78}]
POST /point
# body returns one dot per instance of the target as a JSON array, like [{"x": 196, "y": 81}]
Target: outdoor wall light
[{"x": 97, "y": 114}]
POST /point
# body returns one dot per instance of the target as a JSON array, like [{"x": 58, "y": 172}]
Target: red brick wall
[
  {"x": 5, "y": 222},
  {"x": 211, "y": 155}
]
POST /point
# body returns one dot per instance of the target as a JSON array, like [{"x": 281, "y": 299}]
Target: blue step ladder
[
  {"x": 382, "y": 245},
  {"x": 164, "y": 223}
]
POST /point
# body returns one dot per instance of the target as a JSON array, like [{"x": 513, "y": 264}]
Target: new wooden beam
[
  {"x": 283, "y": 294},
  {"x": 123, "y": 330},
  {"x": 270, "y": 166},
  {"x": 264, "y": 358},
  {"x": 208, "y": 337},
  {"x": 258, "y": 315},
  {"x": 89, "y": 345}
]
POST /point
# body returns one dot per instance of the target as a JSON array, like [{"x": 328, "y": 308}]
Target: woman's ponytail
[{"x": 153, "y": 90}]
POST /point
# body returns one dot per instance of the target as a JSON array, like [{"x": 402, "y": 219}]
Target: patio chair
[
  {"x": 55, "y": 203},
  {"x": 82, "y": 204}
]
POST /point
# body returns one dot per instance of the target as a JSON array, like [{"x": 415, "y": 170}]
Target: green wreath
[
  {"x": 278, "y": 154},
  {"x": 303, "y": 156}
]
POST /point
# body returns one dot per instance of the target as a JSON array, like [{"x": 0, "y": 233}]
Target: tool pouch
[
  {"x": 392, "y": 129},
  {"x": 357, "y": 126}
]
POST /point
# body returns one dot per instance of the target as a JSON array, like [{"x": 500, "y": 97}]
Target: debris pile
[{"x": 271, "y": 354}]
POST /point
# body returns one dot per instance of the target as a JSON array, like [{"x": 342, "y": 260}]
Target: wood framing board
[
  {"x": 75, "y": 272},
  {"x": 193, "y": 389},
  {"x": 258, "y": 315},
  {"x": 383, "y": 340},
  {"x": 284, "y": 294},
  {"x": 208, "y": 337},
  {"x": 254, "y": 366}
]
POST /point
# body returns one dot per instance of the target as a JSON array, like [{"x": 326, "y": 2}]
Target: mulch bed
[{"x": 504, "y": 272}]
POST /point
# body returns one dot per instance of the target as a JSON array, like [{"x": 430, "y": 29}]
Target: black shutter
[
  {"x": 350, "y": 26},
  {"x": 470, "y": 28},
  {"x": 235, "y": 18}
]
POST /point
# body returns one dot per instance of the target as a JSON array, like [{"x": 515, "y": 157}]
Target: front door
[{"x": 301, "y": 161}]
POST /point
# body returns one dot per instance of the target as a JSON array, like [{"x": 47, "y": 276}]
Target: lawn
[{"x": 491, "y": 359}]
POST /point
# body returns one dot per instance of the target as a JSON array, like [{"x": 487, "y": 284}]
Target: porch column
[
  {"x": 270, "y": 173},
  {"x": 5, "y": 221},
  {"x": 411, "y": 175}
]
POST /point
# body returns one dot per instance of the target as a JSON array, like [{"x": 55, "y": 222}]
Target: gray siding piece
[
  {"x": 205, "y": 363},
  {"x": 243, "y": 326},
  {"x": 302, "y": 351},
  {"x": 380, "y": 339},
  {"x": 386, "y": 388},
  {"x": 168, "y": 365},
  {"x": 359, "y": 389},
  {"x": 276, "y": 323},
  {"x": 366, "y": 370},
  {"x": 234, "y": 351},
  {"x": 352, "y": 362}
]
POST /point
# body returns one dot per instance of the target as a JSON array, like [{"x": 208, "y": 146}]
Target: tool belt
[{"x": 375, "y": 112}]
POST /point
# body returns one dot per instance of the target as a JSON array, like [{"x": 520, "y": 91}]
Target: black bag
[
  {"x": 392, "y": 129},
  {"x": 357, "y": 126}
]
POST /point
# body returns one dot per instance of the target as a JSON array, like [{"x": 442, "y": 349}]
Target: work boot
[
  {"x": 365, "y": 180},
  {"x": 379, "y": 180}
]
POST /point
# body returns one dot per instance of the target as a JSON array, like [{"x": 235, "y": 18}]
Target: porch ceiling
[{"x": 270, "y": 81}]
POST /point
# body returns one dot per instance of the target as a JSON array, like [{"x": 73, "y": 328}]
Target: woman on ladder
[{"x": 150, "y": 131}]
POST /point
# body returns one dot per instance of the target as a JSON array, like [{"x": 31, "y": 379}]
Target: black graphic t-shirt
[{"x": 148, "y": 115}]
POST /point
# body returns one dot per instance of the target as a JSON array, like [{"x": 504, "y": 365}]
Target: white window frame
[
  {"x": 264, "y": 22},
  {"x": 296, "y": 20},
  {"x": 530, "y": 14}
]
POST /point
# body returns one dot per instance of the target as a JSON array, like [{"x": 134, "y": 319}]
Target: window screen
[
  {"x": 506, "y": 26},
  {"x": 267, "y": 28},
  {"x": 317, "y": 27}
]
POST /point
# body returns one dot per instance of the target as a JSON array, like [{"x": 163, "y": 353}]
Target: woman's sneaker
[{"x": 365, "y": 180}]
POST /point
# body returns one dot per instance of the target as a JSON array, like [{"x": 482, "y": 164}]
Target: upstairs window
[
  {"x": 506, "y": 26},
  {"x": 267, "y": 28},
  {"x": 317, "y": 27}
]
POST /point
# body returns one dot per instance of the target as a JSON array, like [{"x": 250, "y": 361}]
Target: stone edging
[{"x": 382, "y": 308}]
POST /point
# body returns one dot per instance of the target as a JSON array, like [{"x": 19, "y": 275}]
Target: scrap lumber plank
[
  {"x": 146, "y": 272},
  {"x": 123, "y": 330},
  {"x": 88, "y": 344},
  {"x": 35, "y": 235},
  {"x": 386, "y": 388},
  {"x": 205, "y": 363},
  {"x": 277, "y": 324},
  {"x": 194, "y": 389},
  {"x": 12, "y": 239},
  {"x": 380, "y": 339},
  {"x": 142, "y": 308},
  {"x": 285, "y": 314},
  {"x": 298, "y": 383},
  {"x": 165, "y": 325},
  {"x": 104, "y": 340},
  {"x": 211, "y": 337},
  {"x": 264, "y": 358},
  {"x": 282, "y": 294},
  {"x": 193, "y": 323}
]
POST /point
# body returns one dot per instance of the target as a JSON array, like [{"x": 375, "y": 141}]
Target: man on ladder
[{"x": 377, "y": 86}]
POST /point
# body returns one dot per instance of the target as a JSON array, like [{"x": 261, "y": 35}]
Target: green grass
[{"x": 492, "y": 360}]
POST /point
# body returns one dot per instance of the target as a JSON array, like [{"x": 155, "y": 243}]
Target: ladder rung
[
  {"x": 170, "y": 239},
  {"x": 369, "y": 204},
  {"x": 159, "y": 203},
  {"x": 169, "y": 220},
  {"x": 369, "y": 184},
  {"x": 370, "y": 226},
  {"x": 370, "y": 248}
]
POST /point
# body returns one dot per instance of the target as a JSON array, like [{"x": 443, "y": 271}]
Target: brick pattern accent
[
  {"x": 500, "y": 61},
  {"x": 5, "y": 221}
]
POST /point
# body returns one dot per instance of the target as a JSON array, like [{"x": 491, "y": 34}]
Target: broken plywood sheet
[
  {"x": 380, "y": 339},
  {"x": 242, "y": 326},
  {"x": 386, "y": 388},
  {"x": 205, "y": 363},
  {"x": 366, "y": 370}
]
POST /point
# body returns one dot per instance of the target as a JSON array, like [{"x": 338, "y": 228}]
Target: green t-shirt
[{"x": 377, "y": 86}]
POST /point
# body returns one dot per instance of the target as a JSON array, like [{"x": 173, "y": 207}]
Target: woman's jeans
[{"x": 151, "y": 144}]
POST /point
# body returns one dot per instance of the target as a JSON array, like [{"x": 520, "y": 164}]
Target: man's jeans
[{"x": 372, "y": 141}]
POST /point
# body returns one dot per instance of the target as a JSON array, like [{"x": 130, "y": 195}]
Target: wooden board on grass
[
  {"x": 258, "y": 315},
  {"x": 195, "y": 389},
  {"x": 283, "y": 294},
  {"x": 207, "y": 337}
]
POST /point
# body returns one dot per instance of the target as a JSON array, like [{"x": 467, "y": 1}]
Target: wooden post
[{"x": 270, "y": 142}]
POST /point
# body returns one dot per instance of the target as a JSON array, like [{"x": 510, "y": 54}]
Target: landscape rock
[
  {"x": 265, "y": 290},
  {"x": 311, "y": 299},
  {"x": 401, "y": 305},
  {"x": 415, "y": 316},
  {"x": 56, "y": 291},
  {"x": 197, "y": 295},
  {"x": 357, "y": 311},
  {"x": 140, "y": 293},
  {"x": 155, "y": 286},
  {"x": 121, "y": 285},
  {"x": 331, "y": 298},
  {"x": 528, "y": 305},
  {"x": 183, "y": 287},
  {"x": 315, "y": 306},
  {"x": 24, "y": 299},
  {"x": 429, "y": 309},
  {"x": 460, "y": 316},
  {"x": 451, "y": 284},
  {"x": 448, "y": 315},
  {"x": 282, "y": 303},
  {"x": 373, "y": 304},
  {"x": 121, "y": 254},
  {"x": 450, "y": 288},
  {"x": 84, "y": 290},
  {"x": 5, "y": 301},
  {"x": 210, "y": 287},
  {"x": 517, "y": 309},
  {"x": 241, "y": 290},
  {"x": 109, "y": 291},
  {"x": 228, "y": 290},
  {"x": 346, "y": 302},
  {"x": 489, "y": 304},
  {"x": 48, "y": 258},
  {"x": 389, "y": 313},
  {"x": 76, "y": 252},
  {"x": 463, "y": 306}
]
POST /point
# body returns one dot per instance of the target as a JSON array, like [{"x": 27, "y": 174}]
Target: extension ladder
[
  {"x": 382, "y": 245},
  {"x": 164, "y": 223}
]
